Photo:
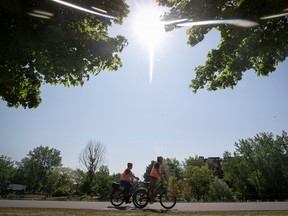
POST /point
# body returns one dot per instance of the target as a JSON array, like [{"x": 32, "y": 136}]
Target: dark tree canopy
[
  {"x": 65, "y": 47},
  {"x": 34, "y": 169},
  {"x": 259, "y": 48},
  {"x": 6, "y": 171},
  {"x": 259, "y": 167}
]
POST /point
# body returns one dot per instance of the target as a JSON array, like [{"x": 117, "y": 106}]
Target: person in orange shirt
[
  {"x": 155, "y": 174},
  {"x": 125, "y": 180}
]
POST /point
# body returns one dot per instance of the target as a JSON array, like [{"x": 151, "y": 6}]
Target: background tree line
[{"x": 256, "y": 170}]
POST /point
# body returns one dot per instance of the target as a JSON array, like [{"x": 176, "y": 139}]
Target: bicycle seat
[
  {"x": 115, "y": 185},
  {"x": 146, "y": 183}
]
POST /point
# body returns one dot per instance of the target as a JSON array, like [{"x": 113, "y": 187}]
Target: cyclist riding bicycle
[
  {"x": 155, "y": 174},
  {"x": 125, "y": 180}
]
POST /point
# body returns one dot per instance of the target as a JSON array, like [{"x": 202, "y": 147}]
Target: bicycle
[
  {"x": 167, "y": 198},
  {"x": 117, "y": 196}
]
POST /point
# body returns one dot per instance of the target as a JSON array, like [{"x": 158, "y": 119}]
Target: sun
[
  {"x": 149, "y": 30},
  {"x": 147, "y": 25}
]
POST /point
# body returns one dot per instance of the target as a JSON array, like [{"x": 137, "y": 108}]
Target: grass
[
  {"x": 77, "y": 212},
  {"x": 42, "y": 197}
]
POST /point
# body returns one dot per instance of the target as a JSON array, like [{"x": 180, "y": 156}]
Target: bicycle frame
[
  {"x": 117, "y": 194},
  {"x": 133, "y": 188},
  {"x": 159, "y": 188},
  {"x": 142, "y": 196}
]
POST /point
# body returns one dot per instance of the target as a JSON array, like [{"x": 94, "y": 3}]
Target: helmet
[
  {"x": 129, "y": 164},
  {"x": 160, "y": 159}
]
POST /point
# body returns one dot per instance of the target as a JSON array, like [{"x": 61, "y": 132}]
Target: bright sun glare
[
  {"x": 149, "y": 30},
  {"x": 148, "y": 26}
]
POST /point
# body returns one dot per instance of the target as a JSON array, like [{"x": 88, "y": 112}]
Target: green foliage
[
  {"x": 102, "y": 185},
  {"x": 196, "y": 161},
  {"x": 7, "y": 170},
  {"x": 65, "y": 49},
  {"x": 34, "y": 169},
  {"x": 116, "y": 177},
  {"x": 98, "y": 189},
  {"x": 237, "y": 175},
  {"x": 267, "y": 157},
  {"x": 199, "y": 179},
  {"x": 257, "y": 161},
  {"x": 257, "y": 170},
  {"x": 178, "y": 186},
  {"x": 259, "y": 48},
  {"x": 61, "y": 181},
  {"x": 172, "y": 167},
  {"x": 220, "y": 191}
]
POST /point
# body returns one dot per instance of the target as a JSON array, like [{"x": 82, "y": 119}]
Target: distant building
[
  {"x": 214, "y": 163},
  {"x": 17, "y": 188}
]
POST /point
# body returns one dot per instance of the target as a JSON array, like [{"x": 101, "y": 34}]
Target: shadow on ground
[{"x": 139, "y": 209}]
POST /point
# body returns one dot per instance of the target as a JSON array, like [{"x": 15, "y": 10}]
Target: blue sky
[{"x": 137, "y": 120}]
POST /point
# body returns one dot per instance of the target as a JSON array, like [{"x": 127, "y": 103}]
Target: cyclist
[
  {"x": 126, "y": 181},
  {"x": 155, "y": 174}
]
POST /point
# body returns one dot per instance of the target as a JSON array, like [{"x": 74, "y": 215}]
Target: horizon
[{"x": 138, "y": 118}]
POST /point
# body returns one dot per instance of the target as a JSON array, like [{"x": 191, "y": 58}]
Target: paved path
[{"x": 243, "y": 206}]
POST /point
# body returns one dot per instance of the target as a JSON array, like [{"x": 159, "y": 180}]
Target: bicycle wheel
[
  {"x": 140, "y": 198},
  {"x": 167, "y": 199},
  {"x": 116, "y": 197}
]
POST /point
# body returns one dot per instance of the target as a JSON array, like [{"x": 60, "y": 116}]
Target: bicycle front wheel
[
  {"x": 116, "y": 197},
  {"x": 140, "y": 198},
  {"x": 167, "y": 199}
]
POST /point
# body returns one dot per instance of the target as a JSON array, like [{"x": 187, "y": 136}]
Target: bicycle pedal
[{"x": 152, "y": 200}]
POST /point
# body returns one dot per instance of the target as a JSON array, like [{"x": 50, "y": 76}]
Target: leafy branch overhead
[
  {"x": 260, "y": 48},
  {"x": 50, "y": 42},
  {"x": 46, "y": 42}
]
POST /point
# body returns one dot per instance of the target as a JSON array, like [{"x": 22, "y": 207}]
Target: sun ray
[
  {"x": 149, "y": 30},
  {"x": 151, "y": 58}
]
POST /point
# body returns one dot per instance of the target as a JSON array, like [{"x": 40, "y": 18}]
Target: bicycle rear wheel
[
  {"x": 117, "y": 197},
  {"x": 167, "y": 199},
  {"x": 140, "y": 198}
]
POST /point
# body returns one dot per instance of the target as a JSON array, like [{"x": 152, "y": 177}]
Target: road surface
[{"x": 237, "y": 206}]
